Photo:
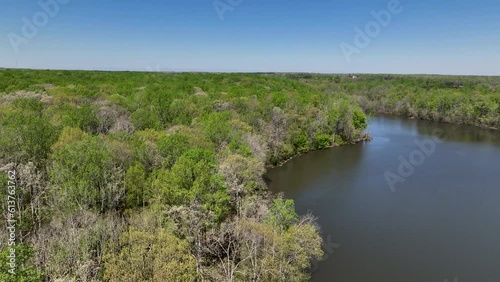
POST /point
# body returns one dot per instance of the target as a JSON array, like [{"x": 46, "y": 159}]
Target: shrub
[{"x": 322, "y": 141}]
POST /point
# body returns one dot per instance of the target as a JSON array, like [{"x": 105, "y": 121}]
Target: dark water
[{"x": 441, "y": 223}]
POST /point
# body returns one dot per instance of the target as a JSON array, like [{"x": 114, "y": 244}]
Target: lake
[{"x": 420, "y": 202}]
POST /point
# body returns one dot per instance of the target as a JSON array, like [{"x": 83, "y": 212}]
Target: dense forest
[
  {"x": 471, "y": 100},
  {"x": 128, "y": 176}
]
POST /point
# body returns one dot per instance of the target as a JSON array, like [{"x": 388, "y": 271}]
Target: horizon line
[{"x": 245, "y": 72}]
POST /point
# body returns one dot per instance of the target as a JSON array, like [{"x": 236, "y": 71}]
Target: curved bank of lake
[{"x": 420, "y": 202}]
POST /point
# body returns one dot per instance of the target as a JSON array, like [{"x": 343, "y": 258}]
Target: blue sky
[{"x": 445, "y": 37}]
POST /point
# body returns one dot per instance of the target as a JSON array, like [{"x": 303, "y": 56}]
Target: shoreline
[
  {"x": 367, "y": 137},
  {"x": 364, "y": 138},
  {"x": 474, "y": 124}
]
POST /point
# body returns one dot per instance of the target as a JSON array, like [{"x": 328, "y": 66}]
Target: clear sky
[{"x": 445, "y": 37}]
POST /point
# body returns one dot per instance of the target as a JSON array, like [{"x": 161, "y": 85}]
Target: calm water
[{"x": 442, "y": 222}]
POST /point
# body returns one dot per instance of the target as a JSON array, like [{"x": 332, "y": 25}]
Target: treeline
[
  {"x": 472, "y": 100},
  {"x": 159, "y": 177}
]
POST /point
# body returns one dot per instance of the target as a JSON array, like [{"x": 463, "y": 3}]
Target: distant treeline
[
  {"x": 472, "y": 100},
  {"x": 127, "y": 176}
]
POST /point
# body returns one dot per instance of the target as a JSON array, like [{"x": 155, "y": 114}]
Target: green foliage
[
  {"x": 217, "y": 127},
  {"x": 188, "y": 148},
  {"x": 301, "y": 142},
  {"x": 279, "y": 99},
  {"x": 120, "y": 101},
  {"x": 82, "y": 117},
  {"x": 69, "y": 135},
  {"x": 285, "y": 254},
  {"x": 172, "y": 146},
  {"x": 322, "y": 141},
  {"x": 344, "y": 125},
  {"x": 455, "y": 99},
  {"x": 182, "y": 111},
  {"x": 359, "y": 120},
  {"x": 239, "y": 147},
  {"x": 87, "y": 91},
  {"x": 153, "y": 255},
  {"x": 243, "y": 175},
  {"x": 145, "y": 119},
  {"x": 144, "y": 148},
  {"x": 25, "y": 135},
  {"x": 194, "y": 178},
  {"x": 136, "y": 187},
  {"x": 81, "y": 173},
  {"x": 282, "y": 214},
  {"x": 24, "y": 271},
  {"x": 28, "y": 104}
]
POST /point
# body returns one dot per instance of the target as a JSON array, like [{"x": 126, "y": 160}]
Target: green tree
[
  {"x": 282, "y": 214},
  {"x": 24, "y": 271},
  {"x": 301, "y": 142},
  {"x": 153, "y": 255},
  {"x": 135, "y": 184},
  {"x": 28, "y": 105},
  {"x": 145, "y": 119},
  {"x": 359, "y": 119},
  {"x": 217, "y": 127},
  {"x": 322, "y": 141},
  {"x": 25, "y": 137},
  {"x": 83, "y": 175},
  {"x": 172, "y": 146},
  {"x": 83, "y": 117},
  {"x": 194, "y": 177},
  {"x": 272, "y": 255},
  {"x": 69, "y": 135}
]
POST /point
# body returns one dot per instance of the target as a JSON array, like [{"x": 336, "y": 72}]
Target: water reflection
[
  {"x": 319, "y": 167},
  {"x": 442, "y": 221}
]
